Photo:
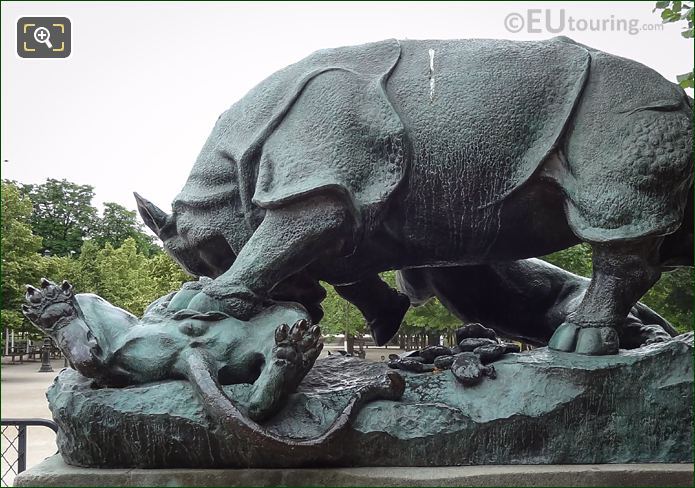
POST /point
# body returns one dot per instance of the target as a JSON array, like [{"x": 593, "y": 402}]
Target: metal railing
[{"x": 18, "y": 444}]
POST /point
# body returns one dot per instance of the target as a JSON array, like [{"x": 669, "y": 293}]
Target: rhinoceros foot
[
  {"x": 237, "y": 301},
  {"x": 386, "y": 324},
  {"x": 593, "y": 341}
]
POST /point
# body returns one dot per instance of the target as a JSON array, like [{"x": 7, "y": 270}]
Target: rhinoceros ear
[{"x": 153, "y": 216}]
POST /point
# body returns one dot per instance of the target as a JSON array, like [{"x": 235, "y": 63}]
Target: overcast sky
[{"x": 133, "y": 104}]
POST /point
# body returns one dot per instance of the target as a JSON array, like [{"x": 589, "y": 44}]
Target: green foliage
[
  {"x": 340, "y": 316},
  {"x": 62, "y": 216},
  {"x": 672, "y": 298},
  {"x": 20, "y": 262},
  {"x": 118, "y": 224},
  {"x": 119, "y": 262},
  {"x": 675, "y": 12},
  {"x": 576, "y": 259},
  {"x": 87, "y": 277},
  {"x": 164, "y": 275},
  {"x": 122, "y": 275},
  {"x": 430, "y": 317}
]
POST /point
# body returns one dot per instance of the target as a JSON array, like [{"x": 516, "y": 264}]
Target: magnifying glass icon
[{"x": 43, "y": 36}]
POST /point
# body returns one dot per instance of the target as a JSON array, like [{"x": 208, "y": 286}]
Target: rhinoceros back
[
  {"x": 322, "y": 124},
  {"x": 459, "y": 125},
  {"x": 481, "y": 116}
]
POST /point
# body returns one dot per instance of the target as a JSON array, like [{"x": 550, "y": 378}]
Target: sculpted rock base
[{"x": 544, "y": 407}]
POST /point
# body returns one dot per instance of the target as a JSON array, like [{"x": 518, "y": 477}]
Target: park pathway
[{"x": 24, "y": 396}]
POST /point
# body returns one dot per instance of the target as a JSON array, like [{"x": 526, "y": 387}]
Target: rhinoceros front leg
[
  {"x": 289, "y": 238},
  {"x": 622, "y": 273},
  {"x": 382, "y": 306}
]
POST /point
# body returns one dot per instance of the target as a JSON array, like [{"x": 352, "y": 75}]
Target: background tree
[
  {"x": 21, "y": 262},
  {"x": 63, "y": 214},
  {"x": 87, "y": 275},
  {"x": 123, "y": 275},
  {"x": 110, "y": 256},
  {"x": 672, "y": 298},
  {"x": 432, "y": 319},
  {"x": 679, "y": 12},
  {"x": 117, "y": 224},
  {"x": 576, "y": 259},
  {"x": 164, "y": 274},
  {"x": 341, "y": 317}
]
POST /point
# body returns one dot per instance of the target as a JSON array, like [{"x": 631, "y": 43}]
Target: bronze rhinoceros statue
[{"x": 401, "y": 155}]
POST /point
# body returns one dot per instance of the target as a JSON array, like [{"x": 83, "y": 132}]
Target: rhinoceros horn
[{"x": 153, "y": 216}]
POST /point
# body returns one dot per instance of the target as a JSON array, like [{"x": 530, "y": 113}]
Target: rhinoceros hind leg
[
  {"x": 382, "y": 306},
  {"x": 622, "y": 273}
]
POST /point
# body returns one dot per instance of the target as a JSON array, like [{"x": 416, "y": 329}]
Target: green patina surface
[{"x": 544, "y": 407}]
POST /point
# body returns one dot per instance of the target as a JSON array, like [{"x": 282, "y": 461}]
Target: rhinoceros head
[{"x": 188, "y": 240}]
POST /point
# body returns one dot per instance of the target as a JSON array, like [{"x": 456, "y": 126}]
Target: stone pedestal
[
  {"x": 544, "y": 407},
  {"x": 54, "y": 472}
]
